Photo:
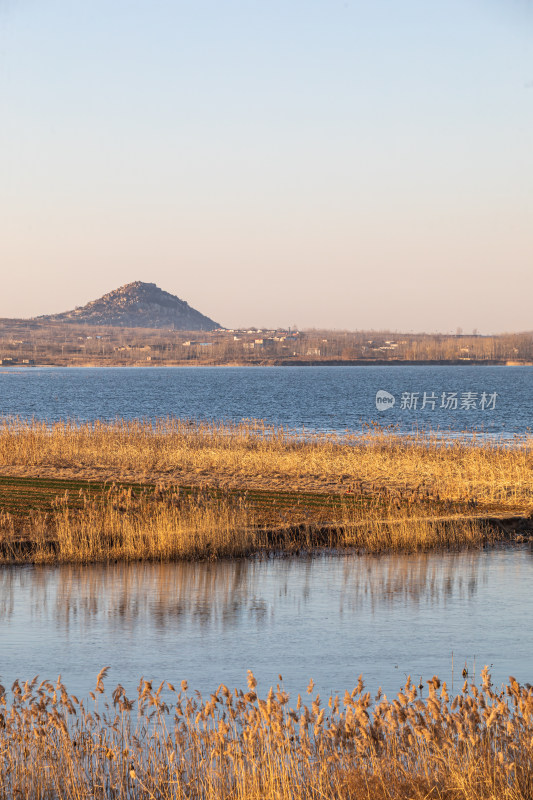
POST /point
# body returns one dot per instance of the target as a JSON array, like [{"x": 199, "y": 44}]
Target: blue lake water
[
  {"x": 497, "y": 401},
  {"x": 329, "y": 618}
]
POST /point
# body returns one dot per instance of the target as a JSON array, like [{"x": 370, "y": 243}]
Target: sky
[{"x": 360, "y": 164}]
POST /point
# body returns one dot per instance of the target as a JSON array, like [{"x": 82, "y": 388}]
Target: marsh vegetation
[
  {"x": 169, "y": 743},
  {"x": 183, "y": 489}
]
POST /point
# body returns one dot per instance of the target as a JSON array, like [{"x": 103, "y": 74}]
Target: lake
[
  {"x": 495, "y": 401},
  {"x": 329, "y": 617}
]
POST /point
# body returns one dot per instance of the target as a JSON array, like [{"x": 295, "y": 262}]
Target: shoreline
[{"x": 5, "y": 368}]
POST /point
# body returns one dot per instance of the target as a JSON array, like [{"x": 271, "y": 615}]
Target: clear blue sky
[{"x": 351, "y": 164}]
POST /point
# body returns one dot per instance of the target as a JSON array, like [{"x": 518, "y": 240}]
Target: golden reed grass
[
  {"x": 170, "y": 525},
  {"x": 251, "y": 455},
  {"x": 120, "y": 525},
  {"x": 167, "y": 743},
  {"x": 415, "y": 493}
]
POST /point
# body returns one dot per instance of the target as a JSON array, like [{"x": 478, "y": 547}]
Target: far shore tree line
[{"x": 28, "y": 343}]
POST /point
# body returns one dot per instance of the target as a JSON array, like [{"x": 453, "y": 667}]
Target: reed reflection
[
  {"x": 412, "y": 580},
  {"x": 233, "y": 593}
]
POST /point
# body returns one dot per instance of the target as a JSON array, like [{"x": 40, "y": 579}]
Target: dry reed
[
  {"x": 167, "y": 743},
  {"x": 170, "y": 525},
  {"x": 394, "y": 492},
  {"x": 253, "y": 455}
]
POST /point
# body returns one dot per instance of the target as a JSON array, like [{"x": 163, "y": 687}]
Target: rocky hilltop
[{"x": 138, "y": 305}]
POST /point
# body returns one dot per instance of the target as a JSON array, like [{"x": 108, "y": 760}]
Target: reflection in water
[
  {"x": 328, "y": 617},
  {"x": 230, "y": 592},
  {"x": 412, "y": 579}
]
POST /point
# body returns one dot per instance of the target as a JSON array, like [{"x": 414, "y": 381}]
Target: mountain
[{"x": 138, "y": 305}]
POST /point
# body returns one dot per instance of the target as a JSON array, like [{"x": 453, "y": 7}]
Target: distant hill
[{"x": 137, "y": 305}]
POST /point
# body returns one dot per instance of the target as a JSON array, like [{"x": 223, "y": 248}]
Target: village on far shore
[{"x": 139, "y": 324}]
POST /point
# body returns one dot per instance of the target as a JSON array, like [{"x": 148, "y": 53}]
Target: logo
[{"x": 384, "y": 400}]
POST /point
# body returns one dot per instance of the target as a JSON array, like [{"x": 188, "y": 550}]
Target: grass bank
[
  {"x": 110, "y": 523},
  {"x": 167, "y": 743},
  {"x": 176, "y": 489}
]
